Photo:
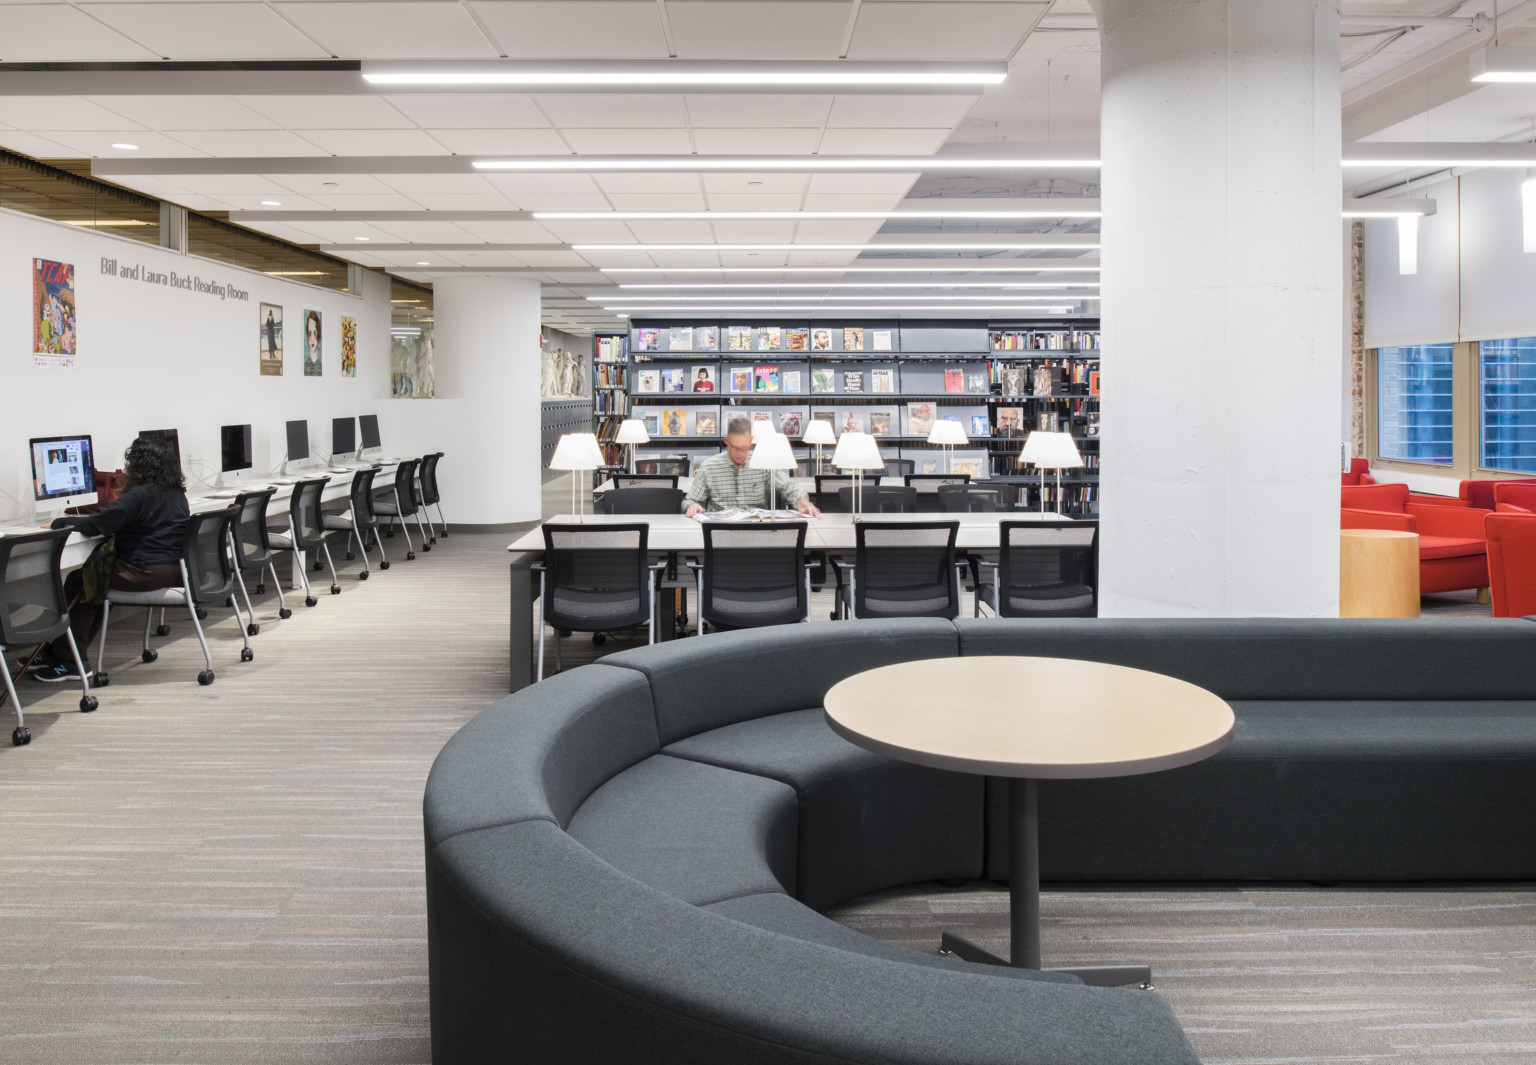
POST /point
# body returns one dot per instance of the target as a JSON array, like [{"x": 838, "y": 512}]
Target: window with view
[
  {"x": 1413, "y": 403},
  {"x": 1506, "y": 433}
]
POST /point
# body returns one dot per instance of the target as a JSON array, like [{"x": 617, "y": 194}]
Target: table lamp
[
  {"x": 1050, "y": 451},
  {"x": 857, "y": 452},
  {"x": 948, "y": 433},
  {"x": 819, "y": 433},
  {"x": 761, "y": 426},
  {"x": 632, "y": 432},
  {"x": 772, "y": 452},
  {"x": 576, "y": 451}
]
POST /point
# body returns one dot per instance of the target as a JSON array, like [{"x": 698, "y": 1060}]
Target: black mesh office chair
[
  {"x": 360, "y": 523},
  {"x": 645, "y": 480},
  {"x": 753, "y": 575},
  {"x": 1046, "y": 569},
  {"x": 975, "y": 498},
  {"x": 401, "y": 503},
  {"x": 827, "y": 486},
  {"x": 207, "y": 576},
  {"x": 597, "y": 579},
  {"x": 927, "y": 486},
  {"x": 879, "y": 499},
  {"x": 641, "y": 501},
  {"x": 33, "y": 610},
  {"x": 430, "y": 496},
  {"x": 900, "y": 467},
  {"x": 903, "y": 570},
  {"x": 252, "y": 550},
  {"x": 307, "y": 532}
]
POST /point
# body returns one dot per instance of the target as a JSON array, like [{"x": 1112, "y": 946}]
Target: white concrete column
[
  {"x": 1222, "y": 287},
  {"x": 486, "y": 331}
]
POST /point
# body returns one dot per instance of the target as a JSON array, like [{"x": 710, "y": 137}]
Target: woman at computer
[{"x": 149, "y": 521}]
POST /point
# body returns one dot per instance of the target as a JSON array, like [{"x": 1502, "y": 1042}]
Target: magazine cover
[
  {"x": 652, "y": 423},
  {"x": 1093, "y": 382},
  {"x": 976, "y": 382},
  {"x": 879, "y": 423},
  {"x": 767, "y": 379},
  {"x": 706, "y": 423},
  {"x": 970, "y": 466},
  {"x": 650, "y": 340},
  {"x": 930, "y": 466},
  {"x": 269, "y": 326},
  {"x": 789, "y": 381},
  {"x": 821, "y": 340},
  {"x": 980, "y": 426},
  {"x": 797, "y": 339},
  {"x": 650, "y": 381},
  {"x": 823, "y": 379},
  {"x": 853, "y": 380},
  {"x": 1045, "y": 380},
  {"x": 762, "y": 416},
  {"x": 919, "y": 418},
  {"x": 1013, "y": 380},
  {"x": 883, "y": 340},
  {"x": 768, "y": 338},
  {"x": 53, "y": 325},
  {"x": 348, "y": 346},
  {"x": 741, "y": 379},
  {"x": 313, "y": 361},
  {"x": 1010, "y": 421},
  {"x": 672, "y": 379},
  {"x": 680, "y": 339},
  {"x": 703, "y": 379},
  {"x": 882, "y": 381},
  {"x": 830, "y": 417},
  {"x": 1093, "y": 423},
  {"x": 853, "y": 421},
  {"x": 954, "y": 380},
  {"x": 789, "y": 422},
  {"x": 739, "y": 337},
  {"x": 706, "y": 338},
  {"x": 853, "y": 338},
  {"x": 674, "y": 423}
]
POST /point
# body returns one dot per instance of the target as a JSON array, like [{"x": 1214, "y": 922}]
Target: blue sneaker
[{"x": 60, "y": 672}]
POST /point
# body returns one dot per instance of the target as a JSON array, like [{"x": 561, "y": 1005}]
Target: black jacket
[{"x": 150, "y": 524}]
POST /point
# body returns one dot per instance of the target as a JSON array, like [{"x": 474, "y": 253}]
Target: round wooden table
[
  {"x": 1378, "y": 573},
  {"x": 1030, "y": 719}
]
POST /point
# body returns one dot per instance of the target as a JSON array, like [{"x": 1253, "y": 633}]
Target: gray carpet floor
[{"x": 233, "y": 873}]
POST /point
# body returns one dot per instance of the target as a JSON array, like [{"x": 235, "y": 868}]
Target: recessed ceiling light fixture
[
  {"x": 294, "y": 273},
  {"x": 271, "y": 203},
  {"x": 362, "y": 238},
  {"x": 126, "y": 147},
  {"x": 998, "y": 244},
  {"x": 101, "y": 222},
  {"x": 423, "y": 264},
  {"x": 683, "y": 74}
]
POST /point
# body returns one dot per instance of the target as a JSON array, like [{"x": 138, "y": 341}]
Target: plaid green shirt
[{"x": 720, "y": 483}]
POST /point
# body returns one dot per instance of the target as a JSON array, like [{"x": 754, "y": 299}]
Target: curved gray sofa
[{"x": 624, "y": 863}]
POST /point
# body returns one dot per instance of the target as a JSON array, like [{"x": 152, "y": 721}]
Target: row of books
[
  {"x": 1044, "y": 339},
  {"x": 1049, "y": 378},
  {"x": 610, "y": 375},
  {"x": 915, "y": 419},
  {"x": 822, "y": 380},
  {"x": 611, "y": 348},
  {"x": 610, "y": 402},
  {"x": 687, "y": 338}
]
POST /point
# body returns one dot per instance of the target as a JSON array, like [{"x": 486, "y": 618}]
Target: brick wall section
[{"x": 1357, "y": 338}]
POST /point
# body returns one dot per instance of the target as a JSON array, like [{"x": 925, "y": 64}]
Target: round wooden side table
[{"x": 1378, "y": 573}]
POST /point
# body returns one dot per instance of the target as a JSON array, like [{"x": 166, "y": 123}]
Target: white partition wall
[{"x": 1222, "y": 286}]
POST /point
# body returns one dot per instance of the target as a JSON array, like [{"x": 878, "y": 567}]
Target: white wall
[{"x": 156, "y": 357}]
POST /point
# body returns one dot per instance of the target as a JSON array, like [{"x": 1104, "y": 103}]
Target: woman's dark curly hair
[{"x": 149, "y": 462}]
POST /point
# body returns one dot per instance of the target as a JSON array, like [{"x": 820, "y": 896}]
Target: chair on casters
[
  {"x": 1045, "y": 569},
  {"x": 306, "y": 533},
  {"x": 880, "y": 499},
  {"x": 207, "y": 576},
  {"x": 903, "y": 569},
  {"x": 430, "y": 497},
  {"x": 645, "y": 480},
  {"x": 975, "y": 498},
  {"x": 753, "y": 575},
  {"x": 252, "y": 550},
  {"x": 360, "y": 519},
  {"x": 597, "y": 579},
  {"x": 403, "y": 505},
  {"x": 33, "y": 610},
  {"x": 900, "y": 467},
  {"x": 641, "y": 501}
]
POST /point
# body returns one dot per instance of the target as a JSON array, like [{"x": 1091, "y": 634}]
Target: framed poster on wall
[{"x": 270, "y": 328}]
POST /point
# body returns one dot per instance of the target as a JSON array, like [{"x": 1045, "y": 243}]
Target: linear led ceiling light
[
  {"x": 792, "y": 163},
  {"x": 1500, "y": 63},
  {"x": 996, "y": 244},
  {"x": 866, "y": 284},
  {"x": 811, "y": 216},
  {"x": 941, "y": 298},
  {"x": 1438, "y": 156},
  {"x": 1031, "y": 308},
  {"x": 1386, "y": 208},
  {"x": 937, "y": 266},
  {"x": 684, "y": 74}
]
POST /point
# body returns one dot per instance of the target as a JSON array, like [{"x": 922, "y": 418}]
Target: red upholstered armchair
[
  {"x": 1515, "y": 497},
  {"x": 1359, "y": 473},
  {"x": 1512, "y": 563},
  {"x": 1479, "y": 495},
  {"x": 1452, "y": 551}
]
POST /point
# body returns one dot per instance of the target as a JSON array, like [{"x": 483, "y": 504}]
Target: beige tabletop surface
[{"x": 1040, "y": 718}]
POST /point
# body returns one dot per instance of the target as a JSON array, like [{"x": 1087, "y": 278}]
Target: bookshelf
[
  {"x": 687, "y": 378},
  {"x": 610, "y": 392}
]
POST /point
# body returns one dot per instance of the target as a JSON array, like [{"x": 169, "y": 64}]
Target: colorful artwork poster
[
  {"x": 313, "y": 364},
  {"x": 348, "y": 346},
  {"x": 53, "y": 308},
  {"x": 269, "y": 326}
]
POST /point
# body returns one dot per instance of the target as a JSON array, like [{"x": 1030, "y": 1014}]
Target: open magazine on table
[{"x": 749, "y": 514}]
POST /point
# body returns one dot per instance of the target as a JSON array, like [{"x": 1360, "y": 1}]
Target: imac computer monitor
[
  {"x": 63, "y": 472},
  {"x": 370, "y": 426},
  {"x": 234, "y": 448},
  {"x": 169, "y": 438},
  {"x": 298, "y": 441},
  {"x": 343, "y": 436}
]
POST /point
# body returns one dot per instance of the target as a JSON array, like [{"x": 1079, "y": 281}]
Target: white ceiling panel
[
  {"x": 435, "y": 232},
  {"x": 557, "y": 201},
  {"x": 42, "y": 33},
  {"x": 471, "y": 112},
  {"x": 99, "y": 143},
  {"x": 439, "y": 184},
  {"x": 490, "y": 201},
  {"x": 252, "y": 142},
  {"x": 37, "y": 147},
  {"x": 633, "y": 201},
  {"x": 727, "y": 201},
  {"x": 334, "y": 184},
  {"x": 236, "y": 185},
  {"x": 862, "y": 184},
  {"x": 168, "y": 113},
  {"x": 758, "y": 29},
  {"x": 402, "y": 29},
  {"x": 629, "y": 141},
  {"x": 820, "y": 258},
  {"x": 619, "y": 258},
  {"x": 614, "y": 111},
  {"x": 510, "y": 232},
  {"x": 754, "y": 232},
  {"x": 186, "y": 32},
  {"x": 59, "y": 112},
  {"x": 244, "y": 201},
  {"x": 947, "y": 29},
  {"x": 673, "y": 232},
  {"x": 344, "y": 232},
  {"x": 501, "y": 141},
  {"x": 749, "y": 258},
  {"x": 328, "y": 112},
  {"x": 836, "y": 232},
  {"x": 899, "y": 111},
  {"x": 389, "y": 201},
  {"x": 514, "y": 184},
  {"x": 552, "y": 258},
  {"x": 375, "y": 142},
  {"x": 575, "y": 29},
  {"x": 673, "y": 184},
  {"x": 755, "y": 183},
  {"x": 590, "y": 232},
  {"x": 292, "y": 234},
  {"x": 836, "y": 201},
  {"x": 883, "y": 141},
  {"x": 756, "y": 141},
  {"x": 728, "y": 111}
]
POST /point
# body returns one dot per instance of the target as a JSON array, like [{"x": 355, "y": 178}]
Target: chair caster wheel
[
  {"x": 205, "y": 678},
  {"x": 246, "y": 654},
  {"x": 149, "y": 656},
  {"x": 335, "y": 589},
  {"x": 363, "y": 576},
  {"x": 434, "y": 539},
  {"x": 162, "y": 630},
  {"x": 410, "y": 555},
  {"x": 598, "y": 639},
  {"x": 100, "y": 680},
  {"x": 252, "y": 630},
  {"x": 350, "y": 556},
  {"x": 285, "y": 613},
  {"x": 261, "y": 589},
  {"x": 318, "y": 566},
  {"x": 384, "y": 564},
  {"x": 87, "y": 704},
  {"x": 202, "y": 615},
  {"x": 21, "y": 737},
  {"x": 310, "y": 600}
]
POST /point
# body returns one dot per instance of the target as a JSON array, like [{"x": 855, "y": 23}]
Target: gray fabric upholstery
[
  {"x": 698, "y": 832},
  {"x": 726, "y": 677},
  {"x": 866, "y": 821}
]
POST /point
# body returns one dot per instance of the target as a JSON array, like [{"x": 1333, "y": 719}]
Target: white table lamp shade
[
  {"x": 945, "y": 431},
  {"x": 1057, "y": 452},
  {"x": 857, "y": 451},
  {"x": 632, "y": 431},
  {"x": 760, "y": 427},
  {"x": 772, "y": 453},
  {"x": 819, "y": 433},
  {"x": 577, "y": 451}
]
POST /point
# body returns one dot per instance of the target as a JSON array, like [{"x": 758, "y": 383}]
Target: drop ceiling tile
[
  {"x": 490, "y": 201},
  {"x": 681, "y": 259},
  {"x": 883, "y": 141},
  {"x": 375, "y": 142},
  {"x": 403, "y": 29},
  {"x": 273, "y": 143},
  {"x": 556, "y": 201},
  {"x": 836, "y": 232},
  {"x": 552, "y": 258},
  {"x": 754, "y": 232},
  {"x": 731, "y": 111},
  {"x": 575, "y": 29},
  {"x": 756, "y": 141},
  {"x": 191, "y": 31},
  {"x": 752, "y": 184},
  {"x": 945, "y": 29},
  {"x": 239, "y": 201},
  {"x": 501, "y": 141},
  {"x": 899, "y": 111},
  {"x": 428, "y": 232},
  {"x": 168, "y": 113},
  {"x": 758, "y": 29},
  {"x": 668, "y": 183},
  {"x": 590, "y": 232},
  {"x": 726, "y": 201},
  {"x": 751, "y": 258},
  {"x": 629, "y": 201},
  {"x": 37, "y": 147},
  {"x": 389, "y": 201},
  {"x": 565, "y": 184},
  {"x": 43, "y": 33},
  {"x": 439, "y": 184},
  {"x": 820, "y": 258},
  {"x": 863, "y": 184},
  {"x": 835, "y": 201},
  {"x": 345, "y": 232},
  {"x": 333, "y": 184},
  {"x": 327, "y": 112},
  {"x": 484, "y": 258},
  {"x": 673, "y": 232},
  {"x": 99, "y": 143},
  {"x": 606, "y": 259},
  {"x": 471, "y": 112},
  {"x": 629, "y": 141},
  {"x": 511, "y": 232},
  {"x": 284, "y": 231},
  {"x": 60, "y": 112},
  {"x": 614, "y": 111}
]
